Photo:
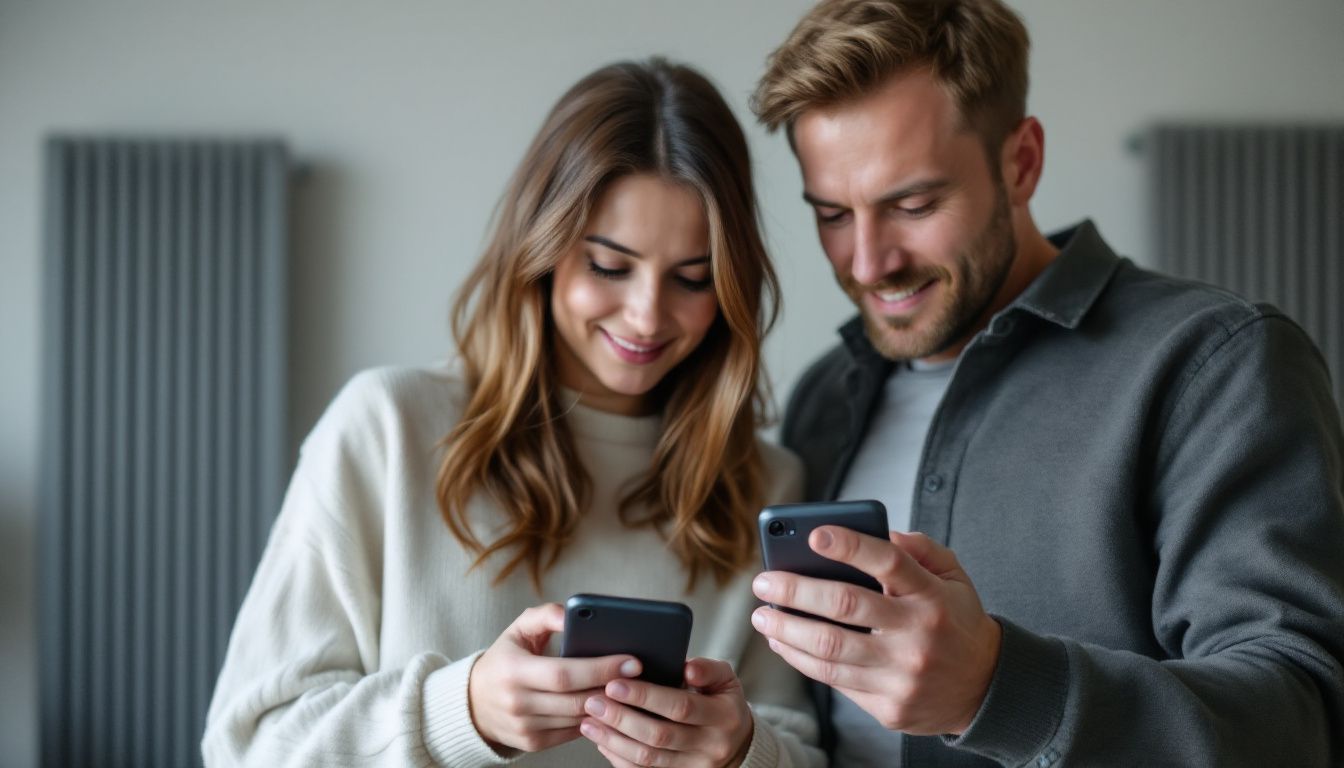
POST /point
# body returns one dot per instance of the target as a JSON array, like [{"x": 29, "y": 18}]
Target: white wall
[{"x": 412, "y": 114}]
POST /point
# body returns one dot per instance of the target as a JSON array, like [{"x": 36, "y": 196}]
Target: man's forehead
[
  {"x": 908, "y": 99},
  {"x": 861, "y": 154}
]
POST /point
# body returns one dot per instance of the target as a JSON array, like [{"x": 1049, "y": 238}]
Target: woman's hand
[
  {"x": 525, "y": 701},
  {"x": 707, "y": 725}
]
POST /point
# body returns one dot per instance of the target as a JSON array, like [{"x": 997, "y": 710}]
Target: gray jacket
[{"x": 1142, "y": 476}]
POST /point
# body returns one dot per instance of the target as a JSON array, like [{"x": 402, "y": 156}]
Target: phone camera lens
[
  {"x": 585, "y": 613},
  {"x": 776, "y": 528}
]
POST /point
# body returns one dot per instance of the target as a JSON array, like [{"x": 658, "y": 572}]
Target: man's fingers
[
  {"x": 547, "y": 673},
  {"x": 817, "y": 638},
  {"x": 898, "y": 572},
  {"x": 835, "y": 600},
  {"x": 832, "y": 673},
  {"x": 935, "y": 558}
]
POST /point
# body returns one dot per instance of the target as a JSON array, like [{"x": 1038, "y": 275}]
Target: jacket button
[{"x": 933, "y": 483}]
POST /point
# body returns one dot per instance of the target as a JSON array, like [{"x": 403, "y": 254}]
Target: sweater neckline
[{"x": 589, "y": 423}]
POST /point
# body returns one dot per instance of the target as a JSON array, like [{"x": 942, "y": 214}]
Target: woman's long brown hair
[{"x": 706, "y": 480}]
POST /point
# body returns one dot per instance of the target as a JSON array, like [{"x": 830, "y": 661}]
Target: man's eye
[
  {"x": 831, "y": 218},
  {"x": 919, "y": 211}
]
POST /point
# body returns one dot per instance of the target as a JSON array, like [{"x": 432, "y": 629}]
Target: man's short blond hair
[{"x": 844, "y": 49}]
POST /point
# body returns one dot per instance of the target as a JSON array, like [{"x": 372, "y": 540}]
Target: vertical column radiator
[
  {"x": 164, "y": 447},
  {"x": 1258, "y": 210}
]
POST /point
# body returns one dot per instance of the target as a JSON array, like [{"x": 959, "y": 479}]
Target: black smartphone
[
  {"x": 656, "y": 632},
  {"x": 784, "y": 529}
]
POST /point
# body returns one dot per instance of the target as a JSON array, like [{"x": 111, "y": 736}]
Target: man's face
[{"x": 914, "y": 221}]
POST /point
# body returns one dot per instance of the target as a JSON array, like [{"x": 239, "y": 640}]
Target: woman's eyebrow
[{"x": 615, "y": 246}]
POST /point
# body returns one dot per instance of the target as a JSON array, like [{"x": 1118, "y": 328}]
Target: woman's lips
[{"x": 633, "y": 352}]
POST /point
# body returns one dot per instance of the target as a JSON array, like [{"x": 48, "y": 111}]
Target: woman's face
[{"x": 635, "y": 296}]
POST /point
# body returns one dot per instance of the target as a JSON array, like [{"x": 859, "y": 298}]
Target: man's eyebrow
[
  {"x": 918, "y": 188},
  {"x": 615, "y": 246}
]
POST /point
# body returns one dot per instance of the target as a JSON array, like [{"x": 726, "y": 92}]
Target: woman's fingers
[
  {"x": 546, "y": 673},
  {"x": 526, "y": 701}
]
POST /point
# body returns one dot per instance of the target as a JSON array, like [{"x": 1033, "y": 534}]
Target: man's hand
[{"x": 929, "y": 660}]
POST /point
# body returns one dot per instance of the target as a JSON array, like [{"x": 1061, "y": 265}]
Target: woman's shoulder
[
  {"x": 393, "y": 402},
  {"x": 404, "y": 386},
  {"x": 784, "y": 480}
]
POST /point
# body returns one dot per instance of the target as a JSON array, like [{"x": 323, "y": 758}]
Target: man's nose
[{"x": 877, "y": 252}]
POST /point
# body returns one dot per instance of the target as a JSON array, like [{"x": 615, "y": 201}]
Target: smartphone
[
  {"x": 656, "y": 632},
  {"x": 784, "y": 529}
]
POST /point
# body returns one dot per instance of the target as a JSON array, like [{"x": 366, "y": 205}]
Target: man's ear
[{"x": 1022, "y": 159}]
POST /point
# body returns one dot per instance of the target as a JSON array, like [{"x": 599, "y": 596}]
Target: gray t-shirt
[{"x": 884, "y": 469}]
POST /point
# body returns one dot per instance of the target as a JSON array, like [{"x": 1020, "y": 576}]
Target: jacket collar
[
  {"x": 1065, "y": 291},
  {"x": 1062, "y": 294}
]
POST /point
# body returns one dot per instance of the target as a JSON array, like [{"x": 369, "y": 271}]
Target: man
[{"x": 1125, "y": 489}]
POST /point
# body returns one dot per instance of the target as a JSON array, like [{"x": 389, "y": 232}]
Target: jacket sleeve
[
  {"x": 1248, "y": 598},
  {"x": 301, "y": 683}
]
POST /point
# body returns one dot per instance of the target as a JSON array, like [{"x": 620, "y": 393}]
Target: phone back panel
[
  {"x": 784, "y": 529},
  {"x": 656, "y": 632}
]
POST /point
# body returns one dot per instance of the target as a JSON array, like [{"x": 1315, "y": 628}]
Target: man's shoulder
[
  {"x": 825, "y": 371},
  {"x": 816, "y": 405},
  {"x": 1154, "y": 304}
]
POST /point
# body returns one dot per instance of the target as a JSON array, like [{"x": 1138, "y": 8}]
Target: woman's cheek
[
  {"x": 701, "y": 314},
  {"x": 593, "y": 298}
]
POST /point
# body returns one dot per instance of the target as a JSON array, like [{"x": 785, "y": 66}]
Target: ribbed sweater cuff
[
  {"x": 1022, "y": 711},
  {"x": 764, "y": 749},
  {"x": 450, "y": 736}
]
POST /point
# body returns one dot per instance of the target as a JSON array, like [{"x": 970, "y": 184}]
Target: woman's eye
[
  {"x": 605, "y": 272},
  {"x": 693, "y": 285}
]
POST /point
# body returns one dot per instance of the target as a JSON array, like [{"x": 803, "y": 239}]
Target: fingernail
[
  {"x": 824, "y": 539},
  {"x": 758, "y": 619},
  {"x": 760, "y": 585},
  {"x": 595, "y": 707},
  {"x": 618, "y": 690},
  {"x": 630, "y": 668},
  {"x": 774, "y": 645},
  {"x": 588, "y": 729}
]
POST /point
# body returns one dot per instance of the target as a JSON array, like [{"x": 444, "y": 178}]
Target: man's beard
[{"x": 982, "y": 268}]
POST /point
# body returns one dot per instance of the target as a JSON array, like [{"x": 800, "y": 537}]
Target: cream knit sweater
[{"x": 356, "y": 639}]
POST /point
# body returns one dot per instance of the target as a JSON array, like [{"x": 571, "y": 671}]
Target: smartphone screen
[
  {"x": 784, "y": 530},
  {"x": 656, "y": 632}
]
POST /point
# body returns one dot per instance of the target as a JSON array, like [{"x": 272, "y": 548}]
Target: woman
[{"x": 600, "y": 437}]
